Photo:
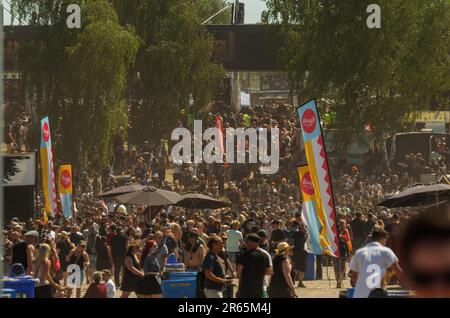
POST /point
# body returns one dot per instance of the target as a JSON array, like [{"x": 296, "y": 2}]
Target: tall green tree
[
  {"x": 77, "y": 76},
  {"x": 207, "y": 8},
  {"x": 369, "y": 75},
  {"x": 173, "y": 65}
]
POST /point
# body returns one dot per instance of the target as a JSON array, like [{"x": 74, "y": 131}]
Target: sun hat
[
  {"x": 283, "y": 246},
  {"x": 32, "y": 233}
]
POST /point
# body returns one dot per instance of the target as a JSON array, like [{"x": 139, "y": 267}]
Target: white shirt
[
  {"x": 234, "y": 238},
  {"x": 110, "y": 288},
  {"x": 371, "y": 262},
  {"x": 52, "y": 235},
  {"x": 111, "y": 207}
]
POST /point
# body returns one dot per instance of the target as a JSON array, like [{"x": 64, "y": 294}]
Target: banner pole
[{"x": 2, "y": 125}]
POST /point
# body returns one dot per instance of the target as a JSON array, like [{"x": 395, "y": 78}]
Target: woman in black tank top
[
  {"x": 78, "y": 256},
  {"x": 132, "y": 270}
]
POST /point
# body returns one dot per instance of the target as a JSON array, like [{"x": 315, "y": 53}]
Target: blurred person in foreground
[
  {"x": 426, "y": 254},
  {"x": 96, "y": 289}
]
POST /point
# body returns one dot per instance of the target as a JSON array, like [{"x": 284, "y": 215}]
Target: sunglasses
[{"x": 428, "y": 278}]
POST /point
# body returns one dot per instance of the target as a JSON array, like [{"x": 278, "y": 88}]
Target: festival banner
[
  {"x": 48, "y": 175},
  {"x": 65, "y": 189},
  {"x": 319, "y": 172},
  {"x": 219, "y": 126},
  {"x": 309, "y": 214}
]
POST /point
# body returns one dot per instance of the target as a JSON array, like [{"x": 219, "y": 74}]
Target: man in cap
[
  {"x": 118, "y": 250},
  {"x": 75, "y": 235},
  {"x": 253, "y": 266},
  {"x": 23, "y": 252}
]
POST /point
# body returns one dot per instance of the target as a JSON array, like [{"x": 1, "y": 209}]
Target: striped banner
[
  {"x": 309, "y": 214},
  {"x": 320, "y": 174},
  {"x": 48, "y": 175},
  {"x": 65, "y": 189}
]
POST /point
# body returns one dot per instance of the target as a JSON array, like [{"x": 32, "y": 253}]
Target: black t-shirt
[
  {"x": 75, "y": 238},
  {"x": 19, "y": 254},
  {"x": 393, "y": 228},
  {"x": 119, "y": 247},
  {"x": 265, "y": 247},
  {"x": 358, "y": 228},
  {"x": 64, "y": 248},
  {"x": 254, "y": 264},
  {"x": 277, "y": 235},
  {"x": 300, "y": 238}
]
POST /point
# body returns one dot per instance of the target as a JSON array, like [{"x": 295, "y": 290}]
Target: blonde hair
[
  {"x": 97, "y": 277},
  {"x": 42, "y": 255}
]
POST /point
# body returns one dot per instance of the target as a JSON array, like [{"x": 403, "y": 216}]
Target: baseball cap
[
  {"x": 262, "y": 233},
  {"x": 253, "y": 237}
]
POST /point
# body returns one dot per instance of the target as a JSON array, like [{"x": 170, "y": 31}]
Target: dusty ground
[{"x": 325, "y": 288}]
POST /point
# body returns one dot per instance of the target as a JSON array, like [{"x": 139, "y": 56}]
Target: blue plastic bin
[
  {"x": 182, "y": 275},
  {"x": 172, "y": 259},
  {"x": 7, "y": 293},
  {"x": 350, "y": 292},
  {"x": 310, "y": 273},
  {"x": 179, "y": 288},
  {"x": 22, "y": 284}
]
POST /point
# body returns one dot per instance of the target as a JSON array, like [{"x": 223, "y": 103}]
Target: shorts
[
  {"x": 213, "y": 293},
  {"x": 232, "y": 256},
  {"x": 339, "y": 264},
  {"x": 92, "y": 260},
  {"x": 81, "y": 278},
  {"x": 44, "y": 291},
  {"x": 148, "y": 285}
]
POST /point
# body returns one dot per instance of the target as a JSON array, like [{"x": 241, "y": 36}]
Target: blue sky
[{"x": 253, "y": 9}]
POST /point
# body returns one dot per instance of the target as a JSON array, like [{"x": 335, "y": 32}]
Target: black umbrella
[
  {"x": 200, "y": 201},
  {"x": 418, "y": 195},
  {"x": 150, "y": 196},
  {"x": 122, "y": 190}
]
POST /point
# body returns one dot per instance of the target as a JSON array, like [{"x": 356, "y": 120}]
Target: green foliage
[
  {"x": 77, "y": 76},
  {"x": 207, "y": 8},
  {"x": 133, "y": 64},
  {"x": 173, "y": 63},
  {"x": 370, "y": 75}
]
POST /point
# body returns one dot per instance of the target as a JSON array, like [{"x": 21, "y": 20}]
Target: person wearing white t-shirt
[
  {"x": 370, "y": 263},
  {"x": 234, "y": 242},
  {"x": 109, "y": 283}
]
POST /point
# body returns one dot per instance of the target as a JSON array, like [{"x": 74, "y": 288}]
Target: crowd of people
[
  {"x": 16, "y": 131},
  {"x": 259, "y": 243}
]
